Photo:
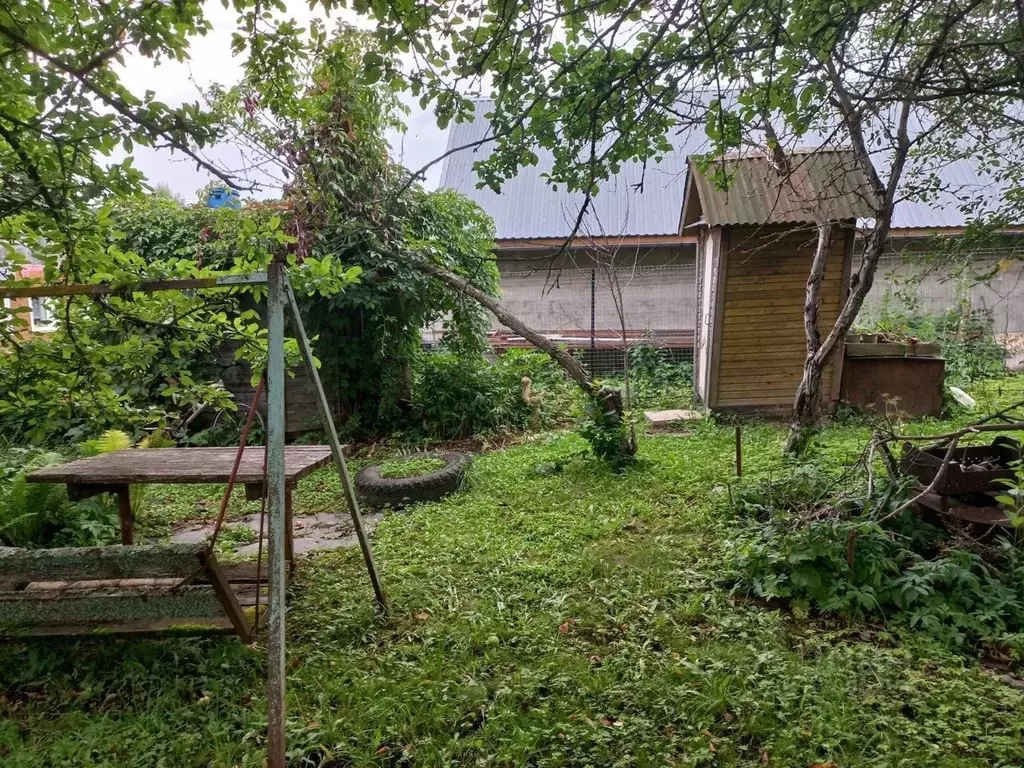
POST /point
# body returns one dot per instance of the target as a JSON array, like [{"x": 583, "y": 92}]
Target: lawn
[{"x": 551, "y": 614}]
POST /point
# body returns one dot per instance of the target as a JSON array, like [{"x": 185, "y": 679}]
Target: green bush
[
  {"x": 457, "y": 396},
  {"x": 39, "y": 514},
  {"x": 655, "y": 381},
  {"x": 31, "y": 514},
  {"x": 808, "y": 552},
  {"x": 964, "y": 334}
]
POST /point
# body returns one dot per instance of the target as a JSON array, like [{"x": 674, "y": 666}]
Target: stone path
[{"x": 324, "y": 530}]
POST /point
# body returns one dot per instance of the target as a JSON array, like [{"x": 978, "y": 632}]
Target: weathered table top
[{"x": 180, "y": 465}]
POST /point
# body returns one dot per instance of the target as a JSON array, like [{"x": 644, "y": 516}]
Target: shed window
[{"x": 43, "y": 320}]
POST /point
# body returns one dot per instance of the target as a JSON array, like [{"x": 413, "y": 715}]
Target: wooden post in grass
[
  {"x": 276, "y": 504},
  {"x": 739, "y": 451}
]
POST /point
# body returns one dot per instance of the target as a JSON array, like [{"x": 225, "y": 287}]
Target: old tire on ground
[{"x": 377, "y": 491}]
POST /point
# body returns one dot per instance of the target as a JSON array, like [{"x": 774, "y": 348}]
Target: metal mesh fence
[
  {"x": 599, "y": 314},
  {"x": 576, "y": 306}
]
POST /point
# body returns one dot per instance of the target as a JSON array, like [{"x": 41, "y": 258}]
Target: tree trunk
[
  {"x": 807, "y": 403},
  {"x": 807, "y": 409},
  {"x": 566, "y": 361},
  {"x": 609, "y": 399}
]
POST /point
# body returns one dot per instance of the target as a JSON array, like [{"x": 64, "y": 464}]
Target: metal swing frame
[{"x": 280, "y": 300}]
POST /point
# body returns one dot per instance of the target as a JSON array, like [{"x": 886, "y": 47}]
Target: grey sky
[{"x": 211, "y": 61}]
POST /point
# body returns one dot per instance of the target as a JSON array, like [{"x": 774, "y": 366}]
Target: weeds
[
  {"x": 410, "y": 466},
  {"x": 569, "y": 618},
  {"x": 814, "y": 545}
]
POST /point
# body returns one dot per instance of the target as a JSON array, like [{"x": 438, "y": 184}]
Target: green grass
[
  {"x": 411, "y": 466},
  {"x": 548, "y": 618}
]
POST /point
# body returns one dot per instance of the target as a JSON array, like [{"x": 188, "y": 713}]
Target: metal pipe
[
  {"x": 739, "y": 451},
  {"x": 593, "y": 316},
  {"x": 339, "y": 457},
  {"x": 144, "y": 286},
  {"x": 276, "y": 504}
]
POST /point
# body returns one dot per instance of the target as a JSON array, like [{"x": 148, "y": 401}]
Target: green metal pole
[
  {"x": 339, "y": 457},
  {"x": 276, "y": 503}
]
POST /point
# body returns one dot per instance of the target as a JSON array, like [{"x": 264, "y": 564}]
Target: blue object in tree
[{"x": 223, "y": 197}]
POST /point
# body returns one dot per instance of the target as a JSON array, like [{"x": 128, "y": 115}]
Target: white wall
[{"x": 661, "y": 293}]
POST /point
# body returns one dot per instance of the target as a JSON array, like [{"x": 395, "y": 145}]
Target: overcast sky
[{"x": 212, "y": 62}]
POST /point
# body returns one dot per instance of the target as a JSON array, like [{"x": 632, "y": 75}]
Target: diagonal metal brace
[{"x": 339, "y": 458}]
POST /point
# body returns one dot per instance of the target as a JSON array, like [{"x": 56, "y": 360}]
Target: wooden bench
[{"x": 167, "y": 588}]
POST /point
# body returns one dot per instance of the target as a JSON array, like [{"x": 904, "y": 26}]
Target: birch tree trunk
[
  {"x": 807, "y": 404},
  {"x": 566, "y": 361}
]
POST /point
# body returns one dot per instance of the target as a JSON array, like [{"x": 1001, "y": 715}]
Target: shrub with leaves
[
  {"x": 963, "y": 332},
  {"x": 800, "y": 545},
  {"x": 40, "y": 514},
  {"x": 462, "y": 395},
  {"x": 30, "y": 513}
]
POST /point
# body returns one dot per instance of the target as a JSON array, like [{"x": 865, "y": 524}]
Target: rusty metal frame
[{"x": 279, "y": 296}]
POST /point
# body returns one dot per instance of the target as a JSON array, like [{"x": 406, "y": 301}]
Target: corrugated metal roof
[
  {"x": 821, "y": 185},
  {"x": 527, "y": 207}
]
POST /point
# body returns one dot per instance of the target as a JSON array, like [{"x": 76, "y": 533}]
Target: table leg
[
  {"x": 289, "y": 536},
  {"x": 124, "y": 512}
]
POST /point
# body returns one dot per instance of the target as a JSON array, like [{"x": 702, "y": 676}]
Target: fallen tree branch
[
  {"x": 1014, "y": 426},
  {"x": 567, "y": 362},
  {"x": 939, "y": 477}
]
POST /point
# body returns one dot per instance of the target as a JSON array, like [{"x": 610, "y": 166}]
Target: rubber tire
[{"x": 376, "y": 491}]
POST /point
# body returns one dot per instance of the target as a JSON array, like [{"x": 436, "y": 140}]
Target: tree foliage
[
  {"x": 348, "y": 199},
  {"x": 136, "y": 360},
  {"x": 909, "y": 87}
]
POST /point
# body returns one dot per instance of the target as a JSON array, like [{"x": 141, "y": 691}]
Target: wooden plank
[
  {"x": 227, "y": 598},
  {"x": 747, "y": 378},
  {"x": 80, "y": 563},
  {"x": 786, "y": 352},
  {"x": 780, "y": 267},
  {"x": 744, "y": 285},
  {"x": 719, "y": 288},
  {"x": 743, "y": 334},
  {"x": 180, "y": 465},
  {"x": 104, "y": 604},
  {"x": 757, "y": 402},
  {"x": 101, "y": 629},
  {"x": 760, "y": 327},
  {"x": 760, "y": 394},
  {"x": 793, "y": 368},
  {"x": 770, "y": 321},
  {"x": 775, "y": 308},
  {"x": 741, "y": 286},
  {"x": 743, "y": 380},
  {"x": 752, "y": 378},
  {"x": 760, "y": 289},
  {"x": 244, "y": 591},
  {"x": 243, "y": 573}
]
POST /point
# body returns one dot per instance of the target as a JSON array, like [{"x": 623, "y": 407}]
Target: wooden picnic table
[{"x": 115, "y": 472}]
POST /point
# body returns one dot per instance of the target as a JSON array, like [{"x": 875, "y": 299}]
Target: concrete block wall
[
  {"x": 658, "y": 289},
  {"x": 660, "y": 293}
]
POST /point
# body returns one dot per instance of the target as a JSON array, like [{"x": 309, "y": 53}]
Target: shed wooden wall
[{"x": 760, "y": 345}]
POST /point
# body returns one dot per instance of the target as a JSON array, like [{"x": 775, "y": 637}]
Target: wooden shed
[{"x": 757, "y": 234}]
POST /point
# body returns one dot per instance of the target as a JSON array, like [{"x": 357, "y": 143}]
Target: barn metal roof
[
  {"x": 821, "y": 185},
  {"x": 527, "y": 207}
]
